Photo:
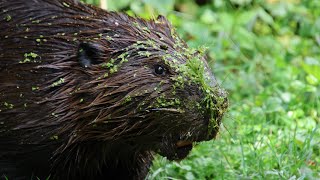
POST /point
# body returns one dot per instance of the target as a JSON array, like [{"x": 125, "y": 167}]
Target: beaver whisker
[{"x": 167, "y": 110}]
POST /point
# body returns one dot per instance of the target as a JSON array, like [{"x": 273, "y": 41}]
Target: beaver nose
[
  {"x": 221, "y": 95},
  {"x": 222, "y": 99}
]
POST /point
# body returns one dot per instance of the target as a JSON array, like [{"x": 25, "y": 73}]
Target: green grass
[{"x": 266, "y": 53}]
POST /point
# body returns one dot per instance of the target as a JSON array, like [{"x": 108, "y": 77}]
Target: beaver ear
[
  {"x": 89, "y": 54},
  {"x": 164, "y": 21},
  {"x": 165, "y": 25}
]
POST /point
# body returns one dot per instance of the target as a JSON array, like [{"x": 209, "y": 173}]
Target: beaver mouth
[
  {"x": 176, "y": 151},
  {"x": 183, "y": 148},
  {"x": 177, "y": 146},
  {"x": 182, "y": 143}
]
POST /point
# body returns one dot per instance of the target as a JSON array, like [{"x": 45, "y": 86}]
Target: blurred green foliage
[{"x": 266, "y": 53}]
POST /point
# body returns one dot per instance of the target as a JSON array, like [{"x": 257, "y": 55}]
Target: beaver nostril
[
  {"x": 222, "y": 93},
  {"x": 214, "y": 101},
  {"x": 225, "y": 103}
]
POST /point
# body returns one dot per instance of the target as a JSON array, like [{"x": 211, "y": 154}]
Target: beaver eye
[{"x": 159, "y": 69}]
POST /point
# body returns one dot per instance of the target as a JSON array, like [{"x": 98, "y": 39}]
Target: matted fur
[{"x": 62, "y": 119}]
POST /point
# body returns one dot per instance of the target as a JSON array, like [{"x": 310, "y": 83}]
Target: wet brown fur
[{"x": 83, "y": 127}]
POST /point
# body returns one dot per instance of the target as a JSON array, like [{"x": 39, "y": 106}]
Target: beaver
[{"x": 91, "y": 94}]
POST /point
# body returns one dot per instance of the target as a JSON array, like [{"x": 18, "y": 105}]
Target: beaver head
[
  {"x": 146, "y": 87},
  {"x": 89, "y": 78}
]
